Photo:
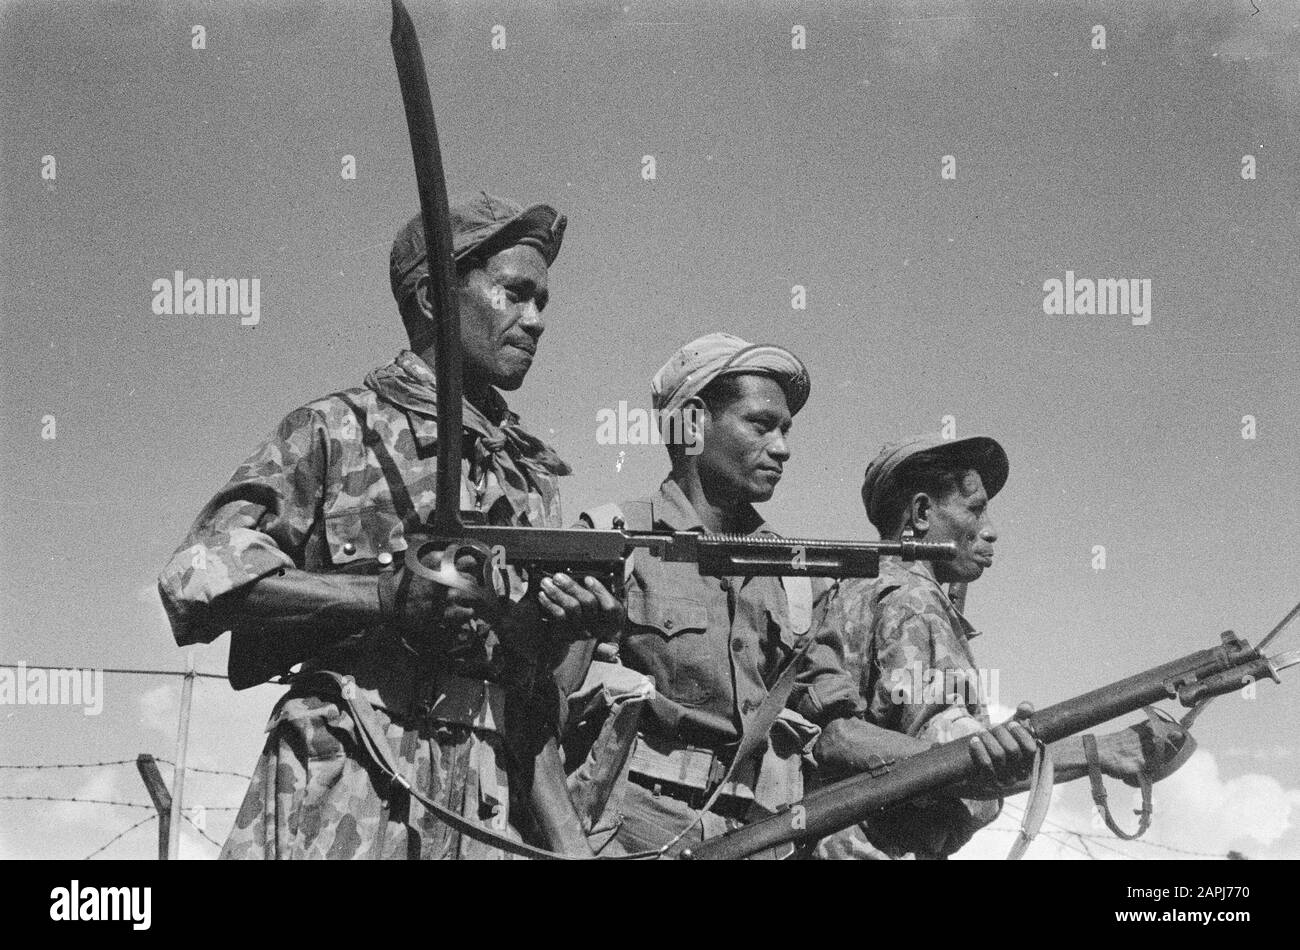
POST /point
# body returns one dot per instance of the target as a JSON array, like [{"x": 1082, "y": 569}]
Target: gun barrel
[
  {"x": 852, "y": 800},
  {"x": 735, "y": 554}
]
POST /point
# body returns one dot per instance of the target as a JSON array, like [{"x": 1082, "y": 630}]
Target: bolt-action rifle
[{"x": 1193, "y": 680}]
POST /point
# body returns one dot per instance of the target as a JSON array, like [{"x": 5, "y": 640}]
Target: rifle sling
[
  {"x": 375, "y": 744},
  {"x": 1099, "y": 793},
  {"x": 396, "y": 485},
  {"x": 756, "y": 730},
  {"x": 1040, "y": 800}
]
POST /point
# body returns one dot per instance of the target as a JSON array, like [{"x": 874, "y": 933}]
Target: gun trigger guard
[{"x": 446, "y": 573}]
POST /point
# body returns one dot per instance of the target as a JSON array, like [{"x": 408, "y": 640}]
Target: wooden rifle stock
[{"x": 845, "y": 803}]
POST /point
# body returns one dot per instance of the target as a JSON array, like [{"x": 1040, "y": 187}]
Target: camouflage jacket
[
  {"x": 908, "y": 647},
  {"x": 315, "y": 497}
]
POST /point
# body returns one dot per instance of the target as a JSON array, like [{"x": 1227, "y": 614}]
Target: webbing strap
[
  {"x": 1099, "y": 793},
  {"x": 756, "y": 731},
  {"x": 376, "y": 746},
  {"x": 1040, "y": 800},
  {"x": 374, "y": 441}
]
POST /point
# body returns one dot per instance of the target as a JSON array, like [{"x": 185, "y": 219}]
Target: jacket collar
[
  {"x": 671, "y": 509},
  {"x": 920, "y": 572}
]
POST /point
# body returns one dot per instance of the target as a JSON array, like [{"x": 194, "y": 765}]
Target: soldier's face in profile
[
  {"x": 962, "y": 516},
  {"x": 744, "y": 442},
  {"x": 501, "y": 307}
]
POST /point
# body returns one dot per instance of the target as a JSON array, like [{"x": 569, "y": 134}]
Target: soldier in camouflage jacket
[
  {"x": 908, "y": 645},
  {"x": 299, "y": 557}
]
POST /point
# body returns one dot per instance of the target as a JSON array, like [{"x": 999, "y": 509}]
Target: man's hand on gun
[
  {"x": 1149, "y": 747},
  {"x": 430, "y": 614},
  {"x": 1005, "y": 753},
  {"x": 579, "y": 611},
  {"x": 426, "y": 610}
]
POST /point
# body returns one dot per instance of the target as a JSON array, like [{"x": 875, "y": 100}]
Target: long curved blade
[{"x": 442, "y": 269}]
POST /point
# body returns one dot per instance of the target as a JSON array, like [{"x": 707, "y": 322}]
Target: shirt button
[
  {"x": 384, "y": 558},
  {"x": 349, "y": 548},
  {"x": 668, "y": 624},
  {"x": 737, "y": 646}
]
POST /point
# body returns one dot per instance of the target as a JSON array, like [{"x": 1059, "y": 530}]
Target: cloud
[
  {"x": 1197, "y": 813},
  {"x": 160, "y": 709},
  {"x": 1275, "y": 754},
  {"x": 102, "y": 784}
]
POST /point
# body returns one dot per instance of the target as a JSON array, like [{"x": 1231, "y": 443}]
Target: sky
[{"x": 774, "y": 167}]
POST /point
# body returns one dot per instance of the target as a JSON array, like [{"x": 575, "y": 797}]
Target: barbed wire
[
  {"x": 120, "y": 834},
  {"x": 84, "y": 801},
  {"x": 1084, "y": 844},
  {"x": 1045, "y": 834},
  {"x": 69, "y": 765},
  {"x": 201, "y": 831},
  {"x": 191, "y": 768},
  {"x": 92, "y": 765},
  {"x": 105, "y": 669},
  {"x": 104, "y": 801},
  {"x": 1105, "y": 841}
]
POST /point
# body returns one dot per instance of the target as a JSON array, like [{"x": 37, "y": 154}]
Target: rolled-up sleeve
[{"x": 256, "y": 525}]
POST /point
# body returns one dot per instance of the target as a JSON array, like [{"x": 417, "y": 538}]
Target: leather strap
[
  {"x": 756, "y": 731},
  {"x": 1099, "y": 793},
  {"x": 374, "y": 441},
  {"x": 376, "y": 746},
  {"x": 1040, "y": 800}
]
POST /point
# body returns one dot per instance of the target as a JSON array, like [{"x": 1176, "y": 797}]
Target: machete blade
[{"x": 436, "y": 211}]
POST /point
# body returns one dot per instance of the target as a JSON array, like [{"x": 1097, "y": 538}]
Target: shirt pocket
[
  {"x": 667, "y": 638},
  {"x": 779, "y": 623},
  {"x": 357, "y": 536}
]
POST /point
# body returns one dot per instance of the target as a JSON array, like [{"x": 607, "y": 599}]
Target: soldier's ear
[
  {"x": 422, "y": 297},
  {"x": 694, "y": 413},
  {"x": 918, "y": 512}
]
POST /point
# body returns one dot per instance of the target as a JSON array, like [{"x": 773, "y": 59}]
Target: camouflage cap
[
  {"x": 701, "y": 361},
  {"x": 887, "y": 469},
  {"x": 484, "y": 224}
]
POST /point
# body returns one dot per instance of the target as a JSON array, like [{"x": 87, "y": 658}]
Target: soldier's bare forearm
[
  {"x": 849, "y": 745},
  {"x": 291, "y": 616}
]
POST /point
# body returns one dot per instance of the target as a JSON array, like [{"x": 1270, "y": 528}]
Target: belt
[
  {"x": 727, "y": 806},
  {"x": 691, "y": 767}
]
